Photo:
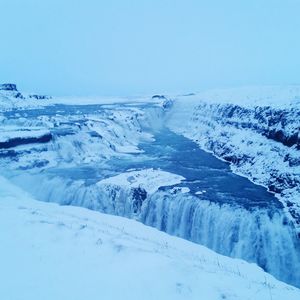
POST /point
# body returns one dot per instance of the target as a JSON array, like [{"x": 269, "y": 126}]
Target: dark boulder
[
  {"x": 161, "y": 97},
  {"x": 19, "y": 96},
  {"x": 8, "y": 87}
]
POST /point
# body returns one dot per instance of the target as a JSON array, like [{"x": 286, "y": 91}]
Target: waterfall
[{"x": 261, "y": 236}]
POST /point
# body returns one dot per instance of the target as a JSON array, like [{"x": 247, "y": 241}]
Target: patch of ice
[{"x": 200, "y": 192}]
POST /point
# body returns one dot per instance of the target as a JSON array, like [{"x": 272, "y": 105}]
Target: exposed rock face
[
  {"x": 8, "y": 87},
  {"x": 280, "y": 125},
  {"x": 161, "y": 97},
  {"x": 23, "y": 141},
  {"x": 39, "y": 97}
]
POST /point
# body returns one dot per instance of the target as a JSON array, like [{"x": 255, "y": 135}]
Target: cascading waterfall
[{"x": 259, "y": 235}]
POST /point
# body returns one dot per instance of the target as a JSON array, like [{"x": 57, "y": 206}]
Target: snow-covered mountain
[
  {"x": 58, "y": 252},
  {"x": 136, "y": 158}
]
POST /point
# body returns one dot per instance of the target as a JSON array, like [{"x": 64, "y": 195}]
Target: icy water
[{"x": 223, "y": 211}]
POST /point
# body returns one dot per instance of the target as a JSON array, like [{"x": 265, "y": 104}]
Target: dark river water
[{"x": 203, "y": 172}]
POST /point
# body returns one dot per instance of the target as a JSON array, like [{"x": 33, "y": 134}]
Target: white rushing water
[{"x": 256, "y": 236}]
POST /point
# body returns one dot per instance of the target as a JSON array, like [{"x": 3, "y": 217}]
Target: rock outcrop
[{"x": 8, "y": 87}]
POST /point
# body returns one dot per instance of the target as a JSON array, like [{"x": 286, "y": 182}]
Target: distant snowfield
[
  {"x": 250, "y": 96},
  {"x": 8, "y": 102},
  {"x": 56, "y": 252},
  {"x": 274, "y": 96},
  {"x": 69, "y": 100}
]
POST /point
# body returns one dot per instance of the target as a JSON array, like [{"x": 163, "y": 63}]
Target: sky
[{"x": 123, "y": 47}]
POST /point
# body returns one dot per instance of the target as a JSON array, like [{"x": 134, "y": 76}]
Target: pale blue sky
[{"x": 90, "y": 47}]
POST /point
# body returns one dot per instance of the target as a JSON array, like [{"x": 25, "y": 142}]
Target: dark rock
[
  {"x": 282, "y": 181},
  {"x": 8, "y": 153},
  {"x": 293, "y": 161},
  {"x": 8, "y": 87},
  {"x": 167, "y": 104},
  {"x": 159, "y": 97},
  {"x": 189, "y": 94},
  {"x": 19, "y": 96},
  {"x": 23, "y": 141},
  {"x": 39, "y": 97},
  {"x": 138, "y": 196}
]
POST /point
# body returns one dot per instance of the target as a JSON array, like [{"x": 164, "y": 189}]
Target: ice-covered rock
[
  {"x": 8, "y": 87},
  {"x": 160, "y": 97},
  {"x": 148, "y": 179}
]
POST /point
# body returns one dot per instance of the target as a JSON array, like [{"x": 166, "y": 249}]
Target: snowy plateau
[{"x": 166, "y": 197}]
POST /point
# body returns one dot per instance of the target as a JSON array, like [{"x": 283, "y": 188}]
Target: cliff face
[
  {"x": 280, "y": 125},
  {"x": 260, "y": 142},
  {"x": 276, "y": 125}
]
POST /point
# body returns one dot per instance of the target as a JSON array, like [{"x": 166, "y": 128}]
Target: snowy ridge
[
  {"x": 251, "y": 96},
  {"x": 83, "y": 254}
]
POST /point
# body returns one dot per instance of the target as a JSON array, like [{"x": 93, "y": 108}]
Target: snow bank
[
  {"x": 54, "y": 252},
  {"x": 251, "y": 96}
]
